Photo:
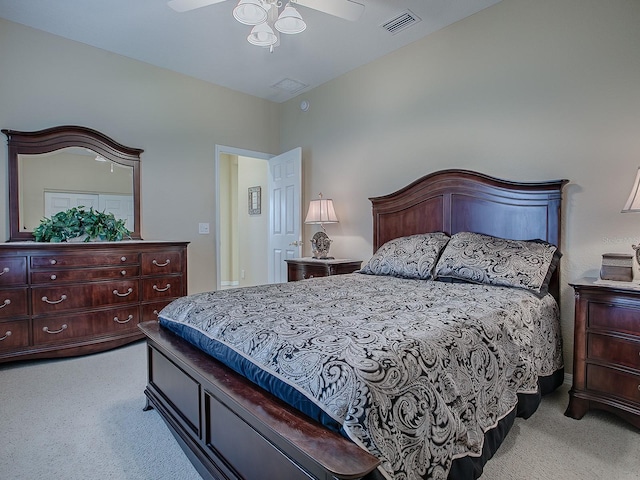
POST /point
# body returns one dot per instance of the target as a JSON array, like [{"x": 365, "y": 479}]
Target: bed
[{"x": 310, "y": 394}]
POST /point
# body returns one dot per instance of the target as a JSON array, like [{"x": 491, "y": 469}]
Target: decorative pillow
[
  {"x": 482, "y": 258},
  {"x": 414, "y": 256}
]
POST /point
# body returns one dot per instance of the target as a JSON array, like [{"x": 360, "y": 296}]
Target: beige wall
[
  {"x": 524, "y": 90},
  {"x": 46, "y": 81}
]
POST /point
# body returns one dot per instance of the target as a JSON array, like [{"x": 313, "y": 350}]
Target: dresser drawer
[
  {"x": 161, "y": 287},
  {"x": 621, "y": 384},
  {"x": 618, "y": 351},
  {"x": 90, "y": 259},
  {"x": 70, "y": 297},
  {"x": 13, "y": 302},
  {"x": 14, "y": 334},
  {"x": 614, "y": 317},
  {"x": 161, "y": 263},
  {"x": 86, "y": 274},
  {"x": 13, "y": 270},
  {"x": 64, "y": 328},
  {"x": 150, "y": 311}
]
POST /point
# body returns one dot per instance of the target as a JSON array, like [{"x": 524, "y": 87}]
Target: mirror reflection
[{"x": 72, "y": 177}]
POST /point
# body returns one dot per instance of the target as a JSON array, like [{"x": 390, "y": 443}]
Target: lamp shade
[
  {"x": 262, "y": 35},
  {"x": 250, "y": 12},
  {"x": 633, "y": 202},
  {"x": 290, "y": 21},
  {"x": 321, "y": 211}
]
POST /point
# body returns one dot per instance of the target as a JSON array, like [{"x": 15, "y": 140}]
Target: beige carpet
[{"x": 82, "y": 418}]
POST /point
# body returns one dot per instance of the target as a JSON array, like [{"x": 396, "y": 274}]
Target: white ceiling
[{"x": 209, "y": 44}]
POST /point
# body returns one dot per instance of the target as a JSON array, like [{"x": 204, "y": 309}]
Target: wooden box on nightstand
[
  {"x": 606, "y": 355},
  {"x": 303, "y": 268}
]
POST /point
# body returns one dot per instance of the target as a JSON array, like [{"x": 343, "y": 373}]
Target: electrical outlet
[{"x": 203, "y": 228}]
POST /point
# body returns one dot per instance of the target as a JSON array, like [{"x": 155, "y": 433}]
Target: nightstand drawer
[
  {"x": 303, "y": 272},
  {"x": 614, "y": 382},
  {"x": 304, "y": 268},
  {"x": 607, "y": 349},
  {"x": 614, "y": 317}
]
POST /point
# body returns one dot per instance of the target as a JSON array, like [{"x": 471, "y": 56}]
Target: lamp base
[{"x": 320, "y": 244}]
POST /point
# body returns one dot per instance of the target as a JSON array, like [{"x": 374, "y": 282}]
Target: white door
[
  {"x": 56, "y": 202},
  {"x": 285, "y": 179}
]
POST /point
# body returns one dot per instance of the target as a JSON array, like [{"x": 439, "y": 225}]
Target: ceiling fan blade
[
  {"x": 186, "y": 5},
  {"x": 339, "y": 8}
]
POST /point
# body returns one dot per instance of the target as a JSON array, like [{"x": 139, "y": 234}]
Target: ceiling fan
[{"x": 265, "y": 15}]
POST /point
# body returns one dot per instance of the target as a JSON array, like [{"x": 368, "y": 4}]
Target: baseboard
[
  {"x": 568, "y": 379},
  {"x": 229, "y": 283}
]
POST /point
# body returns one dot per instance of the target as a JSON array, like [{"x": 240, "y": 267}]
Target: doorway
[
  {"x": 258, "y": 224},
  {"x": 241, "y": 231}
]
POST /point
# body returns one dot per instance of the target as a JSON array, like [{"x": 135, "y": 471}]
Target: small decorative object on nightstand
[
  {"x": 303, "y": 268},
  {"x": 617, "y": 266},
  {"x": 321, "y": 211},
  {"x": 606, "y": 355}
]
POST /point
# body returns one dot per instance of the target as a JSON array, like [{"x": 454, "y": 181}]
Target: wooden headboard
[{"x": 454, "y": 201}]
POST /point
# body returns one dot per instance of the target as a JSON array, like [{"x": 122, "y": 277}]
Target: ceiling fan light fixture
[
  {"x": 262, "y": 35},
  {"x": 250, "y": 12},
  {"x": 290, "y": 21}
]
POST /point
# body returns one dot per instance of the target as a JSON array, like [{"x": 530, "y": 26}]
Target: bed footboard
[{"x": 231, "y": 429}]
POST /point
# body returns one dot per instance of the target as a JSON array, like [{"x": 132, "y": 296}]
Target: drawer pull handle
[
  {"x": 123, "y": 259},
  {"x": 117, "y": 320},
  {"x": 6, "y": 334},
  {"x": 53, "y": 261},
  {"x": 53, "y": 302},
  {"x": 155, "y": 312},
  {"x": 155, "y": 262},
  {"x": 157, "y": 289},
  {"x": 123, "y": 273},
  {"x": 5, "y": 303},
  {"x": 53, "y": 277},
  {"x": 116, "y": 292},
  {"x": 5, "y": 270},
  {"x": 53, "y": 332}
]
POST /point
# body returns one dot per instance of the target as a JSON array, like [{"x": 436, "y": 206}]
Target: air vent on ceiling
[
  {"x": 401, "y": 22},
  {"x": 289, "y": 85}
]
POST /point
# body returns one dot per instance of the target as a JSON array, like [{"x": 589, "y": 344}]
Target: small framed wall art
[{"x": 255, "y": 200}]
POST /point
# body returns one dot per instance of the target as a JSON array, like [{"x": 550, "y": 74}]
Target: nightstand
[
  {"x": 606, "y": 354},
  {"x": 303, "y": 268}
]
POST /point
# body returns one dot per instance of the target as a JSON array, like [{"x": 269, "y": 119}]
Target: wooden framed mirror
[{"x": 61, "y": 167}]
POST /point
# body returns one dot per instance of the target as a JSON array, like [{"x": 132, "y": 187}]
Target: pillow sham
[
  {"x": 414, "y": 256},
  {"x": 480, "y": 258}
]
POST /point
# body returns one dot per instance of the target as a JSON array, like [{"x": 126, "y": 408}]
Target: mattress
[{"x": 416, "y": 372}]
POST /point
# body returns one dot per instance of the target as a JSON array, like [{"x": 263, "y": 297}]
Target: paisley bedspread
[{"x": 414, "y": 371}]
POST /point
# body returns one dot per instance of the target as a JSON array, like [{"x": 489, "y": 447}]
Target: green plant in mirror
[{"x": 79, "y": 222}]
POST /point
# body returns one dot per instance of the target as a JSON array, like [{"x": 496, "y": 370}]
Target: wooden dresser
[
  {"x": 606, "y": 364},
  {"x": 66, "y": 299}
]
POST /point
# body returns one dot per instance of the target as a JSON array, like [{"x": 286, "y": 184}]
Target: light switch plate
[{"x": 203, "y": 228}]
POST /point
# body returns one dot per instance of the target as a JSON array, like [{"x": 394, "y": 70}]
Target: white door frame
[{"x": 241, "y": 152}]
